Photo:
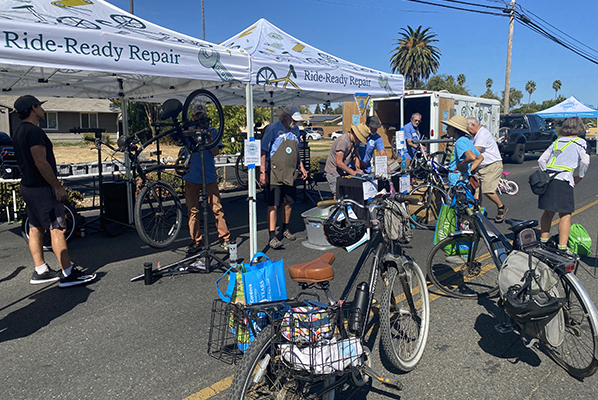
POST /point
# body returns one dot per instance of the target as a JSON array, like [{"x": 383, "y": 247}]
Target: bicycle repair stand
[
  {"x": 206, "y": 253},
  {"x": 102, "y": 219}
]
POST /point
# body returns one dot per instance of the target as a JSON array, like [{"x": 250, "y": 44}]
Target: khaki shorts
[{"x": 489, "y": 176}]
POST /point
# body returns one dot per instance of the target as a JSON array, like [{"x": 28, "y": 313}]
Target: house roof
[
  {"x": 321, "y": 118},
  {"x": 55, "y": 104}
]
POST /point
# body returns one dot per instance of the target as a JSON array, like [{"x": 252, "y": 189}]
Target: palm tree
[
  {"x": 530, "y": 87},
  {"x": 556, "y": 85},
  {"x": 489, "y": 83},
  {"x": 415, "y": 56},
  {"x": 461, "y": 79}
]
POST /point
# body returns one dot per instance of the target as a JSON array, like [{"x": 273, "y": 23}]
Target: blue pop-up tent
[{"x": 569, "y": 108}]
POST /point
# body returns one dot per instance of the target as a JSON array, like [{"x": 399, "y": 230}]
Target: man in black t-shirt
[{"x": 43, "y": 194}]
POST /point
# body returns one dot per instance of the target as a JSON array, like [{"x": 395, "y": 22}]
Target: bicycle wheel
[
  {"x": 405, "y": 315},
  {"x": 202, "y": 97},
  {"x": 512, "y": 188},
  {"x": 241, "y": 171},
  {"x": 441, "y": 157},
  {"x": 432, "y": 197},
  {"x": 158, "y": 214},
  {"x": 255, "y": 377},
  {"x": 71, "y": 227},
  {"x": 577, "y": 351},
  {"x": 461, "y": 266}
]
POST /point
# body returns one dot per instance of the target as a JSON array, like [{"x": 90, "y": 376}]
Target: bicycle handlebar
[{"x": 400, "y": 197}]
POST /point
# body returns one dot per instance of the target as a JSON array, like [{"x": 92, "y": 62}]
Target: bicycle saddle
[
  {"x": 520, "y": 224},
  {"x": 314, "y": 271},
  {"x": 171, "y": 108}
]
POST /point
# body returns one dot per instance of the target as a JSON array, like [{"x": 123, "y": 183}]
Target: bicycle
[
  {"x": 267, "y": 76},
  {"x": 507, "y": 186},
  {"x": 72, "y": 226},
  {"x": 466, "y": 264},
  {"x": 265, "y": 372},
  {"x": 157, "y": 210}
]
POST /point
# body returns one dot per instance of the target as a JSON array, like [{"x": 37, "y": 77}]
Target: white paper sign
[
  {"x": 369, "y": 189},
  {"x": 404, "y": 183},
  {"x": 381, "y": 165},
  {"x": 253, "y": 153}
]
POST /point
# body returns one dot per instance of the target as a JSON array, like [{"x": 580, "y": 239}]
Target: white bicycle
[{"x": 506, "y": 186}]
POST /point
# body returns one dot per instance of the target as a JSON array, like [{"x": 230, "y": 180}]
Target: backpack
[
  {"x": 579, "y": 241},
  {"x": 539, "y": 180}
]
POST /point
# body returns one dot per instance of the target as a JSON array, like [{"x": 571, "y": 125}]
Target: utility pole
[
  {"x": 509, "y": 48},
  {"x": 131, "y": 6},
  {"x": 203, "y": 21}
]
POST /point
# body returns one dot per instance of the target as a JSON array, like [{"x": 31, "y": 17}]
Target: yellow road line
[{"x": 225, "y": 383}]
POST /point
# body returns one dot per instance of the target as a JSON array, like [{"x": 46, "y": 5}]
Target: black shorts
[
  {"x": 558, "y": 197},
  {"x": 281, "y": 194},
  {"x": 43, "y": 210}
]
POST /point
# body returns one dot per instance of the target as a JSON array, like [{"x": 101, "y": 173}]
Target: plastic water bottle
[
  {"x": 360, "y": 303},
  {"x": 232, "y": 253},
  {"x": 403, "y": 161}
]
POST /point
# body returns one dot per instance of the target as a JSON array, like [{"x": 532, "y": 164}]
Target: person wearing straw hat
[
  {"x": 342, "y": 159},
  {"x": 370, "y": 141},
  {"x": 465, "y": 156},
  {"x": 278, "y": 171}
]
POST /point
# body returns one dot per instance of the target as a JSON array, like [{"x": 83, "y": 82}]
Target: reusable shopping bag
[
  {"x": 579, "y": 241},
  {"x": 446, "y": 223}
]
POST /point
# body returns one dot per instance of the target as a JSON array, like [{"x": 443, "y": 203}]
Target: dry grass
[{"x": 87, "y": 153}]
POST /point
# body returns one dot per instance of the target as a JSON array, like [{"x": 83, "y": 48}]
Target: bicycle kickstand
[{"x": 385, "y": 381}]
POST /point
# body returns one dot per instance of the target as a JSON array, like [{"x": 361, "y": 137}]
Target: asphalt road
[{"x": 115, "y": 339}]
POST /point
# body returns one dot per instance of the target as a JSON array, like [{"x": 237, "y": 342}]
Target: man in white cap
[
  {"x": 194, "y": 188},
  {"x": 44, "y": 195},
  {"x": 465, "y": 156},
  {"x": 278, "y": 172}
]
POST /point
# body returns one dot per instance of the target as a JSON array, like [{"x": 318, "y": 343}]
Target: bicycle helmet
[
  {"x": 524, "y": 307},
  {"x": 342, "y": 230}
]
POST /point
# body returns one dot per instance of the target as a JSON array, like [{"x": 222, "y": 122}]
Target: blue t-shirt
[
  {"x": 275, "y": 134},
  {"x": 366, "y": 151},
  {"x": 194, "y": 174},
  {"x": 462, "y": 145},
  {"x": 412, "y": 133}
]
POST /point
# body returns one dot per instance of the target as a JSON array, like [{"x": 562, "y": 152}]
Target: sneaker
[
  {"x": 288, "y": 235},
  {"x": 275, "y": 243},
  {"x": 77, "y": 277},
  {"x": 225, "y": 245},
  {"x": 47, "y": 277},
  {"x": 501, "y": 214},
  {"x": 193, "y": 248}
]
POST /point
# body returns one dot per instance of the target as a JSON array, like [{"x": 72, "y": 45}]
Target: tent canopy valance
[
  {"x": 82, "y": 49},
  {"x": 569, "y": 108}
]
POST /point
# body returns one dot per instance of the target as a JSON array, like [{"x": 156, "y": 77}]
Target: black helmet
[
  {"x": 342, "y": 230},
  {"x": 524, "y": 307}
]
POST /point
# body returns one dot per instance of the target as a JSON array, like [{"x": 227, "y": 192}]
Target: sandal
[{"x": 501, "y": 214}]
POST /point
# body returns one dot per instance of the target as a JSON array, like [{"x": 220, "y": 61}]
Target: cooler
[{"x": 314, "y": 218}]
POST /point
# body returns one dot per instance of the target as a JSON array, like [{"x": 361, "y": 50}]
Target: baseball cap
[
  {"x": 373, "y": 121},
  {"x": 293, "y": 111},
  {"x": 25, "y": 102},
  {"x": 199, "y": 108}
]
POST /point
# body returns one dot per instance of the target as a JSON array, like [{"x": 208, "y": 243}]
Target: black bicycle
[{"x": 281, "y": 363}]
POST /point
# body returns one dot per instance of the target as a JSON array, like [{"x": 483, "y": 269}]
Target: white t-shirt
[{"x": 486, "y": 141}]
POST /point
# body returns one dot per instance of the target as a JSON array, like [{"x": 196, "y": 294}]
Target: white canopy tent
[{"x": 571, "y": 108}]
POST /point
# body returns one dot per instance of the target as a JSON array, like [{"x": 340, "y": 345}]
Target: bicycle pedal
[
  {"x": 531, "y": 343},
  {"x": 385, "y": 381}
]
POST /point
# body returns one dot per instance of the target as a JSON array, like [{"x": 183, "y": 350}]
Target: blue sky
[{"x": 364, "y": 31}]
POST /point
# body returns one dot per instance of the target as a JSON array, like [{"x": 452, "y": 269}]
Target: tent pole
[
  {"x": 251, "y": 175},
  {"x": 125, "y": 117}
]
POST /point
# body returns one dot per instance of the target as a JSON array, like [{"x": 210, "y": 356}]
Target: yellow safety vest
[{"x": 557, "y": 152}]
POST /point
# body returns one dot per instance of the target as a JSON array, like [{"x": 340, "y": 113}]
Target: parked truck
[
  {"x": 434, "y": 107},
  {"x": 523, "y": 133}
]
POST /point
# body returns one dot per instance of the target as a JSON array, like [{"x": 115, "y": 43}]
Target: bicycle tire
[
  {"x": 405, "y": 316},
  {"x": 158, "y": 214},
  {"x": 241, "y": 171},
  {"x": 441, "y": 157},
  {"x": 251, "y": 382},
  {"x": 461, "y": 266},
  {"x": 512, "y": 188},
  {"x": 577, "y": 352},
  {"x": 432, "y": 197},
  {"x": 72, "y": 224},
  {"x": 212, "y": 104}
]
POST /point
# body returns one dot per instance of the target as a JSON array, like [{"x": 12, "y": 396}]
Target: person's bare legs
[
  {"x": 272, "y": 218},
  {"x": 495, "y": 199},
  {"x": 564, "y": 228},
  {"x": 36, "y": 245},
  {"x": 287, "y": 208},
  {"x": 60, "y": 249},
  {"x": 545, "y": 222}
]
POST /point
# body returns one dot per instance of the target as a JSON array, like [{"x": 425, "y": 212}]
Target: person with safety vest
[{"x": 567, "y": 157}]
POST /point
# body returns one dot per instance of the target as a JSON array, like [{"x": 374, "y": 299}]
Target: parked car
[
  {"x": 310, "y": 135},
  {"x": 318, "y": 129},
  {"x": 523, "y": 133},
  {"x": 334, "y": 135}
]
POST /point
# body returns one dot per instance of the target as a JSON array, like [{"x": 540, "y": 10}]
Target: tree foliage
[
  {"x": 489, "y": 83},
  {"x": 415, "y": 56},
  {"x": 530, "y": 87},
  {"x": 515, "y": 97},
  {"x": 445, "y": 82},
  {"x": 461, "y": 79},
  {"x": 556, "y": 85},
  {"x": 534, "y": 107}
]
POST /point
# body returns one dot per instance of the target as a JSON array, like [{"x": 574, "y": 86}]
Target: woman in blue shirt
[{"x": 465, "y": 156}]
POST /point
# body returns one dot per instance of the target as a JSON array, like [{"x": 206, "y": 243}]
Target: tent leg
[
  {"x": 251, "y": 176},
  {"x": 123, "y": 104}
]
